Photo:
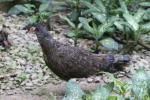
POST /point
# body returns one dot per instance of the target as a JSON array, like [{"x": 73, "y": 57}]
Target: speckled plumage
[{"x": 71, "y": 62}]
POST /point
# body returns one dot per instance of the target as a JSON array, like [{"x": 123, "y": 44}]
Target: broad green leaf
[
  {"x": 68, "y": 21},
  {"x": 112, "y": 98},
  {"x": 110, "y": 44},
  {"x": 90, "y": 6},
  {"x": 100, "y": 17},
  {"x": 73, "y": 91},
  {"x": 43, "y": 1},
  {"x": 29, "y": 6},
  {"x": 145, "y": 4},
  {"x": 86, "y": 25},
  {"x": 119, "y": 25},
  {"x": 79, "y": 25},
  {"x": 121, "y": 87},
  {"x": 74, "y": 16},
  {"x": 147, "y": 15},
  {"x": 70, "y": 34},
  {"x": 145, "y": 27},
  {"x": 3, "y": 1},
  {"x": 43, "y": 7},
  {"x": 100, "y": 5},
  {"x": 140, "y": 84},
  {"x": 99, "y": 11},
  {"x": 103, "y": 28},
  {"x": 139, "y": 15},
  {"x": 139, "y": 76},
  {"x": 17, "y": 9},
  {"x": 102, "y": 92},
  {"x": 132, "y": 22},
  {"x": 33, "y": 19},
  {"x": 123, "y": 6}
]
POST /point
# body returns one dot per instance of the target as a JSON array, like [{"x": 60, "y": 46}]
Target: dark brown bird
[
  {"x": 4, "y": 42},
  {"x": 72, "y": 62}
]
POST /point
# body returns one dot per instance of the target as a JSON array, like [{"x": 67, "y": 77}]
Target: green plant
[
  {"x": 42, "y": 14},
  {"x": 20, "y": 78},
  {"x": 137, "y": 88},
  {"x": 75, "y": 11},
  {"x": 75, "y": 29},
  {"x": 37, "y": 14},
  {"x": 73, "y": 91},
  {"x": 104, "y": 19},
  {"x": 97, "y": 32},
  {"x": 132, "y": 25},
  {"x": 25, "y": 8}
]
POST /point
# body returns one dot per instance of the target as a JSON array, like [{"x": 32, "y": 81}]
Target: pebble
[
  {"x": 10, "y": 92},
  {"x": 34, "y": 76},
  {"x": 89, "y": 80},
  {"x": 97, "y": 79},
  {"x": 29, "y": 84},
  {"x": 29, "y": 70}
]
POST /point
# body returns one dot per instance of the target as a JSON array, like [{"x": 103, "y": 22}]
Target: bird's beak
[{"x": 31, "y": 30}]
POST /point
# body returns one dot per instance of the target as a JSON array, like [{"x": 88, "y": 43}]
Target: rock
[
  {"x": 29, "y": 70},
  {"x": 98, "y": 79},
  {"x": 89, "y": 80},
  {"x": 34, "y": 76},
  {"x": 29, "y": 84},
  {"x": 28, "y": 88},
  {"x": 10, "y": 92}
]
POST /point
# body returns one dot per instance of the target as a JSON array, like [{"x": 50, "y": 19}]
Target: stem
[
  {"x": 76, "y": 36},
  {"x": 92, "y": 1},
  {"x": 97, "y": 46},
  {"x": 77, "y": 4}
]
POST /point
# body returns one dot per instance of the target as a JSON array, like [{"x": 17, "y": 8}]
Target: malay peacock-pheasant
[{"x": 73, "y": 62}]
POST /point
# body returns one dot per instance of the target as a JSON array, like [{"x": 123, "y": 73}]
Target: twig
[{"x": 146, "y": 46}]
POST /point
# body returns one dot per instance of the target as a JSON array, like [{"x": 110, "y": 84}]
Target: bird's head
[
  {"x": 36, "y": 27},
  {"x": 39, "y": 30}
]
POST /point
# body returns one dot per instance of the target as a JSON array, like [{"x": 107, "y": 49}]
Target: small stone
[
  {"x": 46, "y": 77},
  {"x": 10, "y": 93},
  {"x": 28, "y": 88},
  {"x": 35, "y": 82},
  {"x": 97, "y": 79},
  {"x": 29, "y": 84},
  {"x": 22, "y": 62},
  {"x": 34, "y": 76},
  {"x": 89, "y": 80},
  {"x": 29, "y": 70}
]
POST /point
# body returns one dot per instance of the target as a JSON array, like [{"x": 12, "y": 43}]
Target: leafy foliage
[
  {"x": 20, "y": 78},
  {"x": 26, "y": 8},
  {"x": 38, "y": 14},
  {"x": 73, "y": 91},
  {"x": 103, "y": 19},
  {"x": 127, "y": 20},
  {"x": 41, "y": 15},
  {"x": 138, "y": 88}
]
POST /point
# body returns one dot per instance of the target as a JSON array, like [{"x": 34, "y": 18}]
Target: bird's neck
[{"x": 46, "y": 41}]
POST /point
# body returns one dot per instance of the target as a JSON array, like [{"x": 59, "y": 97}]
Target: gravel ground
[{"x": 22, "y": 65}]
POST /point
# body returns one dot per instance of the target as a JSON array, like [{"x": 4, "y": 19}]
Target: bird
[
  {"x": 4, "y": 42},
  {"x": 73, "y": 62}
]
